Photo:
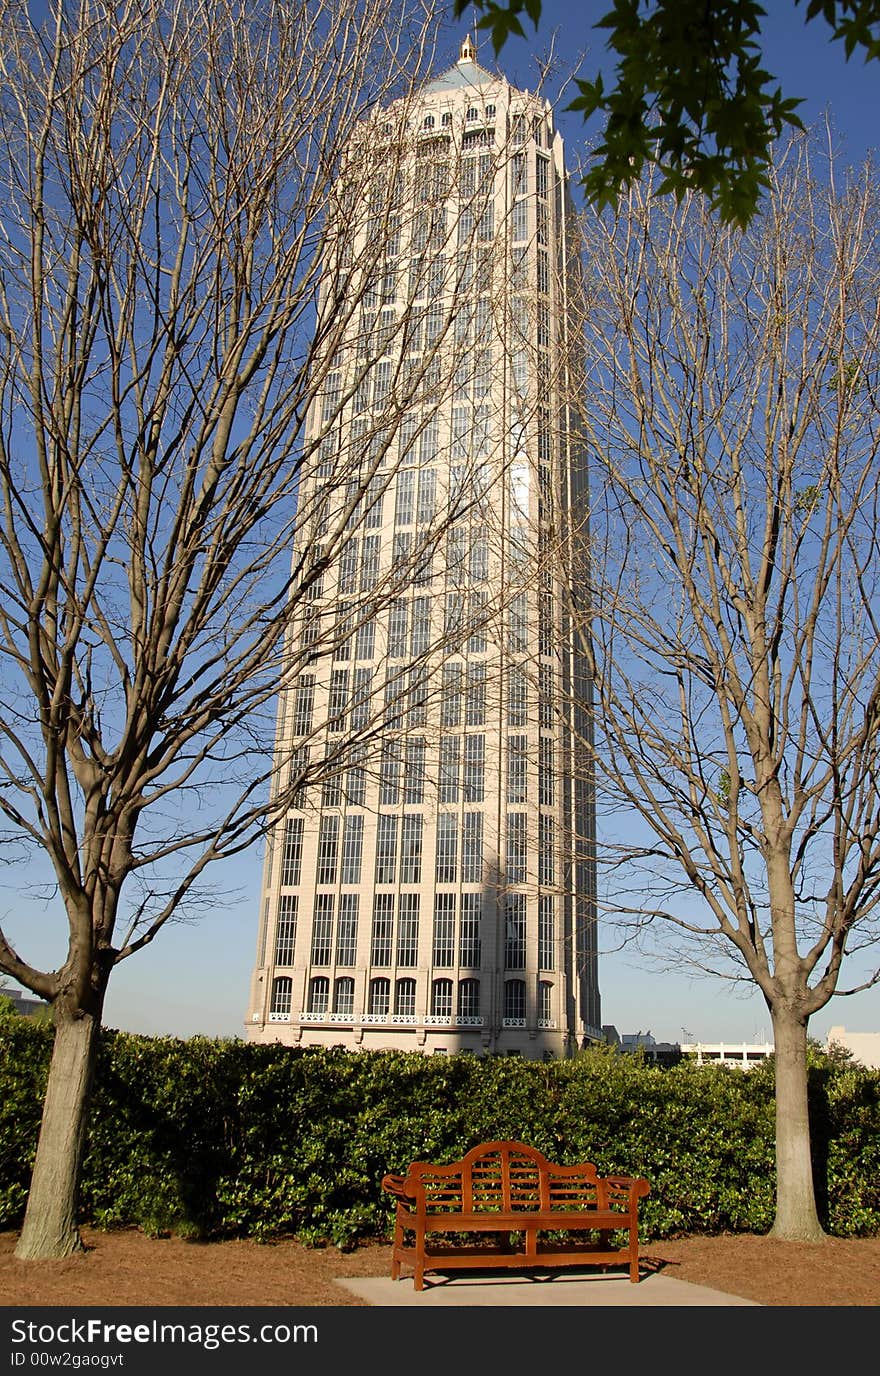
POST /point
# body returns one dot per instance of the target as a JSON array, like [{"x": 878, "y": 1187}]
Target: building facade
[{"x": 434, "y": 891}]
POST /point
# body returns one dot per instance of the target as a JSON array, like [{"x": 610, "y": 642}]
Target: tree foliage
[
  {"x": 732, "y": 561},
  {"x": 690, "y": 92}
]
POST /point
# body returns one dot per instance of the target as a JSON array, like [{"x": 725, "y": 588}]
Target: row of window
[
  {"x": 456, "y": 936},
  {"x": 379, "y": 1003}
]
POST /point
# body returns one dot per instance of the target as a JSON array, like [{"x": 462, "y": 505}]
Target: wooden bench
[{"x": 510, "y": 1189}]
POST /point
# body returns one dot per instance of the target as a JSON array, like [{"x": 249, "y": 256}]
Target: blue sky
[{"x": 195, "y": 979}]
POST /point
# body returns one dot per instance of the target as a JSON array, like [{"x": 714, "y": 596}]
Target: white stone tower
[{"x": 437, "y": 892}]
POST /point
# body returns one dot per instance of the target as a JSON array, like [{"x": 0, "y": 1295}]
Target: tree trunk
[
  {"x": 796, "y": 1217},
  {"x": 50, "y": 1221}
]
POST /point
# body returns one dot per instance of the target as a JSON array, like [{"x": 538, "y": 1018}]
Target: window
[
  {"x": 356, "y": 781},
  {"x": 386, "y": 848},
  {"x": 298, "y": 773},
  {"x": 446, "y": 871},
  {"x": 337, "y": 702},
  {"x": 322, "y": 929},
  {"x": 404, "y": 498},
  {"x": 405, "y": 999},
  {"x": 478, "y": 563},
  {"x": 474, "y": 768},
  {"x": 352, "y": 848},
  {"x": 517, "y": 768},
  {"x": 517, "y": 696},
  {"x": 515, "y": 931},
  {"x": 360, "y": 699},
  {"x": 441, "y": 999},
  {"x": 542, "y": 174},
  {"x": 477, "y": 623},
  {"x": 417, "y": 702},
  {"x": 475, "y": 714},
  {"x": 282, "y": 995},
  {"x": 543, "y": 271},
  {"x": 545, "y": 623},
  {"x": 470, "y": 948},
  {"x": 517, "y": 849},
  {"x": 545, "y": 771},
  {"x": 343, "y": 997},
  {"x": 443, "y": 952},
  {"x": 411, "y": 848},
  {"x": 515, "y": 1002},
  {"x": 490, "y": 112},
  {"x": 546, "y": 864},
  {"x": 518, "y": 130},
  {"x": 291, "y": 856},
  {"x": 348, "y": 563},
  {"x": 545, "y": 995},
  {"x": 332, "y": 392},
  {"x": 517, "y": 623},
  {"x": 450, "y": 747},
  {"x": 414, "y": 775},
  {"x": 303, "y": 705},
  {"x": 428, "y": 122},
  {"x": 472, "y": 114},
  {"x": 469, "y": 998},
  {"x": 328, "y": 849},
  {"x": 519, "y": 225},
  {"x": 420, "y": 628},
  {"x": 408, "y": 929},
  {"x": 452, "y": 697},
  {"x": 389, "y": 773},
  {"x": 369, "y": 562},
  {"x": 319, "y": 994},
  {"x": 346, "y": 929},
  {"x": 546, "y": 932},
  {"x": 397, "y": 628},
  {"x": 446, "y": 119},
  {"x": 546, "y": 690},
  {"x": 380, "y": 998},
  {"x": 472, "y": 848},
  {"x": 383, "y": 922},
  {"x": 285, "y": 932}
]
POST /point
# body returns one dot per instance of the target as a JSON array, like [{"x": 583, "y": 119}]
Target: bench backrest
[{"x": 502, "y": 1177}]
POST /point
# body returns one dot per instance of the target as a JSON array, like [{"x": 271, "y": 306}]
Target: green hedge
[{"x": 223, "y": 1138}]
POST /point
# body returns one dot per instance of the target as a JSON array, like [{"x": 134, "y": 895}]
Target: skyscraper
[{"x": 436, "y": 892}]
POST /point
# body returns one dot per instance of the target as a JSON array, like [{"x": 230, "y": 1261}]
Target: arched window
[
  {"x": 446, "y": 119},
  {"x": 441, "y": 998},
  {"x": 282, "y": 990},
  {"x": 428, "y": 122},
  {"x": 405, "y": 998},
  {"x": 343, "y": 997},
  {"x": 472, "y": 114},
  {"x": 319, "y": 993},
  {"x": 469, "y": 998},
  {"x": 515, "y": 1002},
  {"x": 380, "y": 997},
  {"x": 490, "y": 112},
  {"x": 545, "y": 995}
]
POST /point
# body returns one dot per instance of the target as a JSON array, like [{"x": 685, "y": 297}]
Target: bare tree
[
  {"x": 189, "y": 257},
  {"x": 730, "y": 411}
]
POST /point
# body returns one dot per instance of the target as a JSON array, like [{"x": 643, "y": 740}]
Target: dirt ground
[{"x": 128, "y": 1268}]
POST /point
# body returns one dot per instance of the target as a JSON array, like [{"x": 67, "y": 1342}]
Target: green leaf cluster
[
  {"x": 214, "y": 1138},
  {"x": 690, "y": 92}
]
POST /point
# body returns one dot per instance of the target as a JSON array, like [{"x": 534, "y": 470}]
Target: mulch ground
[{"x": 128, "y": 1268}]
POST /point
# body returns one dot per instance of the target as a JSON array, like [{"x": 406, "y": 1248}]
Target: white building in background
[
  {"x": 864, "y": 1046},
  {"x": 438, "y": 895}
]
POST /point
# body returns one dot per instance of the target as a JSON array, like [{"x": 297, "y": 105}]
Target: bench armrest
[
  {"x": 398, "y": 1186},
  {"x": 619, "y": 1189}
]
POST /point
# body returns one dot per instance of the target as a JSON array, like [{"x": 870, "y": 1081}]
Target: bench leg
[{"x": 634, "y": 1256}]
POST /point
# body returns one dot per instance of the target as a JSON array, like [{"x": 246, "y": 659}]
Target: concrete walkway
[{"x": 569, "y": 1288}]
